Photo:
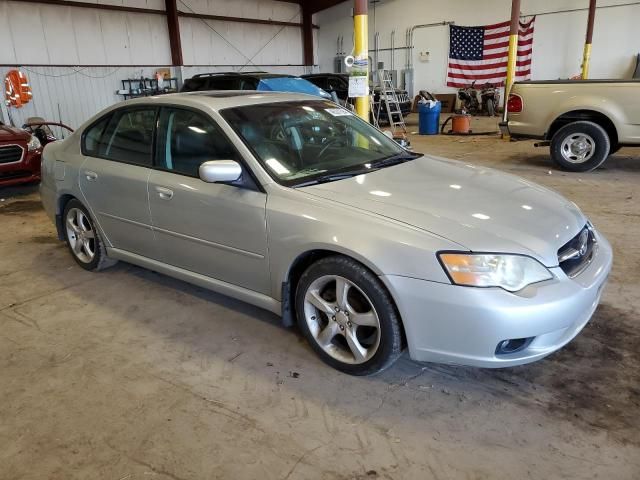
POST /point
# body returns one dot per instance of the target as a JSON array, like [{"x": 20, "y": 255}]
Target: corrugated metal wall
[
  {"x": 73, "y": 94},
  {"x": 41, "y": 34}
]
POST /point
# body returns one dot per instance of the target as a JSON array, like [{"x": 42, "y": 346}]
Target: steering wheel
[{"x": 336, "y": 140}]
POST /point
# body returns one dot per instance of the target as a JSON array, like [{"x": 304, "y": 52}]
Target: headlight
[
  {"x": 33, "y": 143},
  {"x": 511, "y": 272}
]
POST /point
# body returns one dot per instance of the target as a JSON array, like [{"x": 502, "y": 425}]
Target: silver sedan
[{"x": 296, "y": 205}]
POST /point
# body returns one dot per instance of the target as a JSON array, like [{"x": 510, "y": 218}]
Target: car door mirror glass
[{"x": 220, "y": 171}]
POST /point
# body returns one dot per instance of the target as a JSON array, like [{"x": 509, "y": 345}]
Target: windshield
[{"x": 300, "y": 142}]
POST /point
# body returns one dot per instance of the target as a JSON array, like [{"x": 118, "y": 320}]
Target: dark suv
[
  {"x": 339, "y": 83},
  {"x": 261, "y": 81}
]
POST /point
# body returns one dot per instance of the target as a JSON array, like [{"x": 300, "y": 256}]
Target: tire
[
  {"x": 364, "y": 336},
  {"x": 491, "y": 111},
  {"x": 580, "y": 146},
  {"x": 83, "y": 238},
  {"x": 614, "y": 148}
]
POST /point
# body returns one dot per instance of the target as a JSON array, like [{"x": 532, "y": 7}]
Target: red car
[{"x": 20, "y": 154}]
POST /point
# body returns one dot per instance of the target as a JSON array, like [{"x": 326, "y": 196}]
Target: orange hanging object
[{"x": 17, "y": 91}]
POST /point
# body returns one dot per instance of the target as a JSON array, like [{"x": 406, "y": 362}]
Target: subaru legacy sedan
[{"x": 293, "y": 204}]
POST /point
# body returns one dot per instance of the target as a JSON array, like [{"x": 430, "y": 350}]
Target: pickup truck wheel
[
  {"x": 614, "y": 148},
  {"x": 580, "y": 146}
]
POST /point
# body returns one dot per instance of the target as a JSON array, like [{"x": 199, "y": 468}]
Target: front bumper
[
  {"x": 463, "y": 325},
  {"x": 26, "y": 170}
]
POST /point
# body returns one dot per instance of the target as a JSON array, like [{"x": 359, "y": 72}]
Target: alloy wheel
[
  {"x": 342, "y": 319},
  {"x": 81, "y": 236},
  {"x": 577, "y": 148}
]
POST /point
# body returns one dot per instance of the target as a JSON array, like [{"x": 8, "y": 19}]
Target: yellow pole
[
  {"x": 513, "y": 56},
  {"x": 361, "y": 40},
  {"x": 586, "y": 56}
]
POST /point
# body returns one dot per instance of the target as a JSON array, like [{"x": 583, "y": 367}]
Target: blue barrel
[{"x": 429, "y": 118}]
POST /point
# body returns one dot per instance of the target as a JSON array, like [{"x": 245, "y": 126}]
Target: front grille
[
  {"x": 10, "y": 153},
  {"x": 575, "y": 255}
]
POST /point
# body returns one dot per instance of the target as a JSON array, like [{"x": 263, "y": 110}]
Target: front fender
[{"x": 298, "y": 223}]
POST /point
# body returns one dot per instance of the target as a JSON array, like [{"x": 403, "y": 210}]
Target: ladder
[
  {"x": 390, "y": 98},
  {"x": 374, "y": 113}
]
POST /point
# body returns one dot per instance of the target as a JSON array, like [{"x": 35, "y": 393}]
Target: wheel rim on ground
[
  {"x": 577, "y": 148},
  {"x": 82, "y": 238},
  {"x": 342, "y": 319}
]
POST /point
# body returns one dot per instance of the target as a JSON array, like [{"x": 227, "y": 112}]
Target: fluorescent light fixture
[
  {"x": 527, "y": 207},
  {"x": 196, "y": 129},
  {"x": 481, "y": 216},
  {"x": 455, "y": 187},
  {"x": 380, "y": 193}
]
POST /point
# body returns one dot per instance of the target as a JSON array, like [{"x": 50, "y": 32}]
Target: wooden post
[
  {"x": 307, "y": 34},
  {"x": 586, "y": 56},
  {"x": 174, "y": 32}
]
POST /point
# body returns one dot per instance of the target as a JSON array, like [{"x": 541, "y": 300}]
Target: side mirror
[{"x": 220, "y": 171}]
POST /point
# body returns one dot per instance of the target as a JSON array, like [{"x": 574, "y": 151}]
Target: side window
[
  {"x": 187, "y": 139},
  {"x": 129, "y": 136},
  {"x": 248, "y": 84},
  {"x": 320, "y": 82},
  {"x": 223, "y": 83},
  {"x": 94, "y": 141}
]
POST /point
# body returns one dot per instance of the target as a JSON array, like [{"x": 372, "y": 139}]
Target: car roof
[
  {"x": 220, "y": 99},
  {"x": 311, "y": 75},
  {"x": 254, "y": 74}
]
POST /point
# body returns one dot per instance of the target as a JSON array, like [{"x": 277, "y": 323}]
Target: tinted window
[
  {"x": 94, "y": 141},
  {"x": 187, "y": 139},
  {"x": 129, "y": 136},
  {"x": 223, "y": 83},
  {"x": 194, "y": 84},
  {"x": 248, "y": 84}
]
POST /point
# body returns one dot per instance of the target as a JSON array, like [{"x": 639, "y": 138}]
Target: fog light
[{"x": 506, "y": 347}]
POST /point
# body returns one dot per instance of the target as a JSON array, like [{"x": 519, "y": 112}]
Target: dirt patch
[
  {"x": 20, "y": 206},
  {"x": 594, "y": 382},
  {"x": 47, "y": 240}
]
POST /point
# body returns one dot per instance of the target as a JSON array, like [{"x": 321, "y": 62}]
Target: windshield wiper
[
  {"x": 396, "y": 159},
  {"x": 332, "y": 177}
]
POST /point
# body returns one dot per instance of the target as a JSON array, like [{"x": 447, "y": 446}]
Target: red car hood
[{"x": 9, "y": 134}]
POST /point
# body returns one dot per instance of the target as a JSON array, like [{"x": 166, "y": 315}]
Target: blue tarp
[{"x": 291, "y": 84}]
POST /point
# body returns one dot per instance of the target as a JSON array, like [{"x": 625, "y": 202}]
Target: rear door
[
  {"x": 212, "y": 229},
  {"x": 113, "y": 178}
]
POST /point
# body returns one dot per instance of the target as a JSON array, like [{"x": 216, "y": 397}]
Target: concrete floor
[{"x": 128, "y": 374}]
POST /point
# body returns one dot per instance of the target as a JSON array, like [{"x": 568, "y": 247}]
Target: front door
[
  {"x": 213, "y": 229},
  {"x": 114, "y": 176}
]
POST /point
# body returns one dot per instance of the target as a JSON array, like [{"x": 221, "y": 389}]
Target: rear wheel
[
  {"x": 348, "y": 317},
  {"x": 580, "y": 146},
  {"x": 83, "y": 238}
]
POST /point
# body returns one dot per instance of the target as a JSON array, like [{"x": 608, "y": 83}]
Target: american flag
[{"x": 480, "y": 54}]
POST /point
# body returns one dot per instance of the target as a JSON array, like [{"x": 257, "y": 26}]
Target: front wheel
[
  {"x": 348, "y": 317},
  {"x": 491, "y": 110},
  {"x": 580, "y": 146}
]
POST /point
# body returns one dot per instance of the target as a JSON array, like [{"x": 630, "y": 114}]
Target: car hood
[
  {"x": 479, "y": 208},
  {"x": 10, "y": 134}
]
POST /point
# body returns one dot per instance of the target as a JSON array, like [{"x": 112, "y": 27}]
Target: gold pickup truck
[{"x": 583, "y": 121}]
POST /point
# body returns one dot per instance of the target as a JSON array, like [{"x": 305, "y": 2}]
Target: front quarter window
[{"x": 297, "y": 142}]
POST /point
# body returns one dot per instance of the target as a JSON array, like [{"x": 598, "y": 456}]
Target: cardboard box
[{"x": 448, "y": 101}]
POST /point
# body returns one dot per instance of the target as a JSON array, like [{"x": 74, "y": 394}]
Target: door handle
[
  {"x": 91, "y": 176},
  {"x": 164, "y": 193}
]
